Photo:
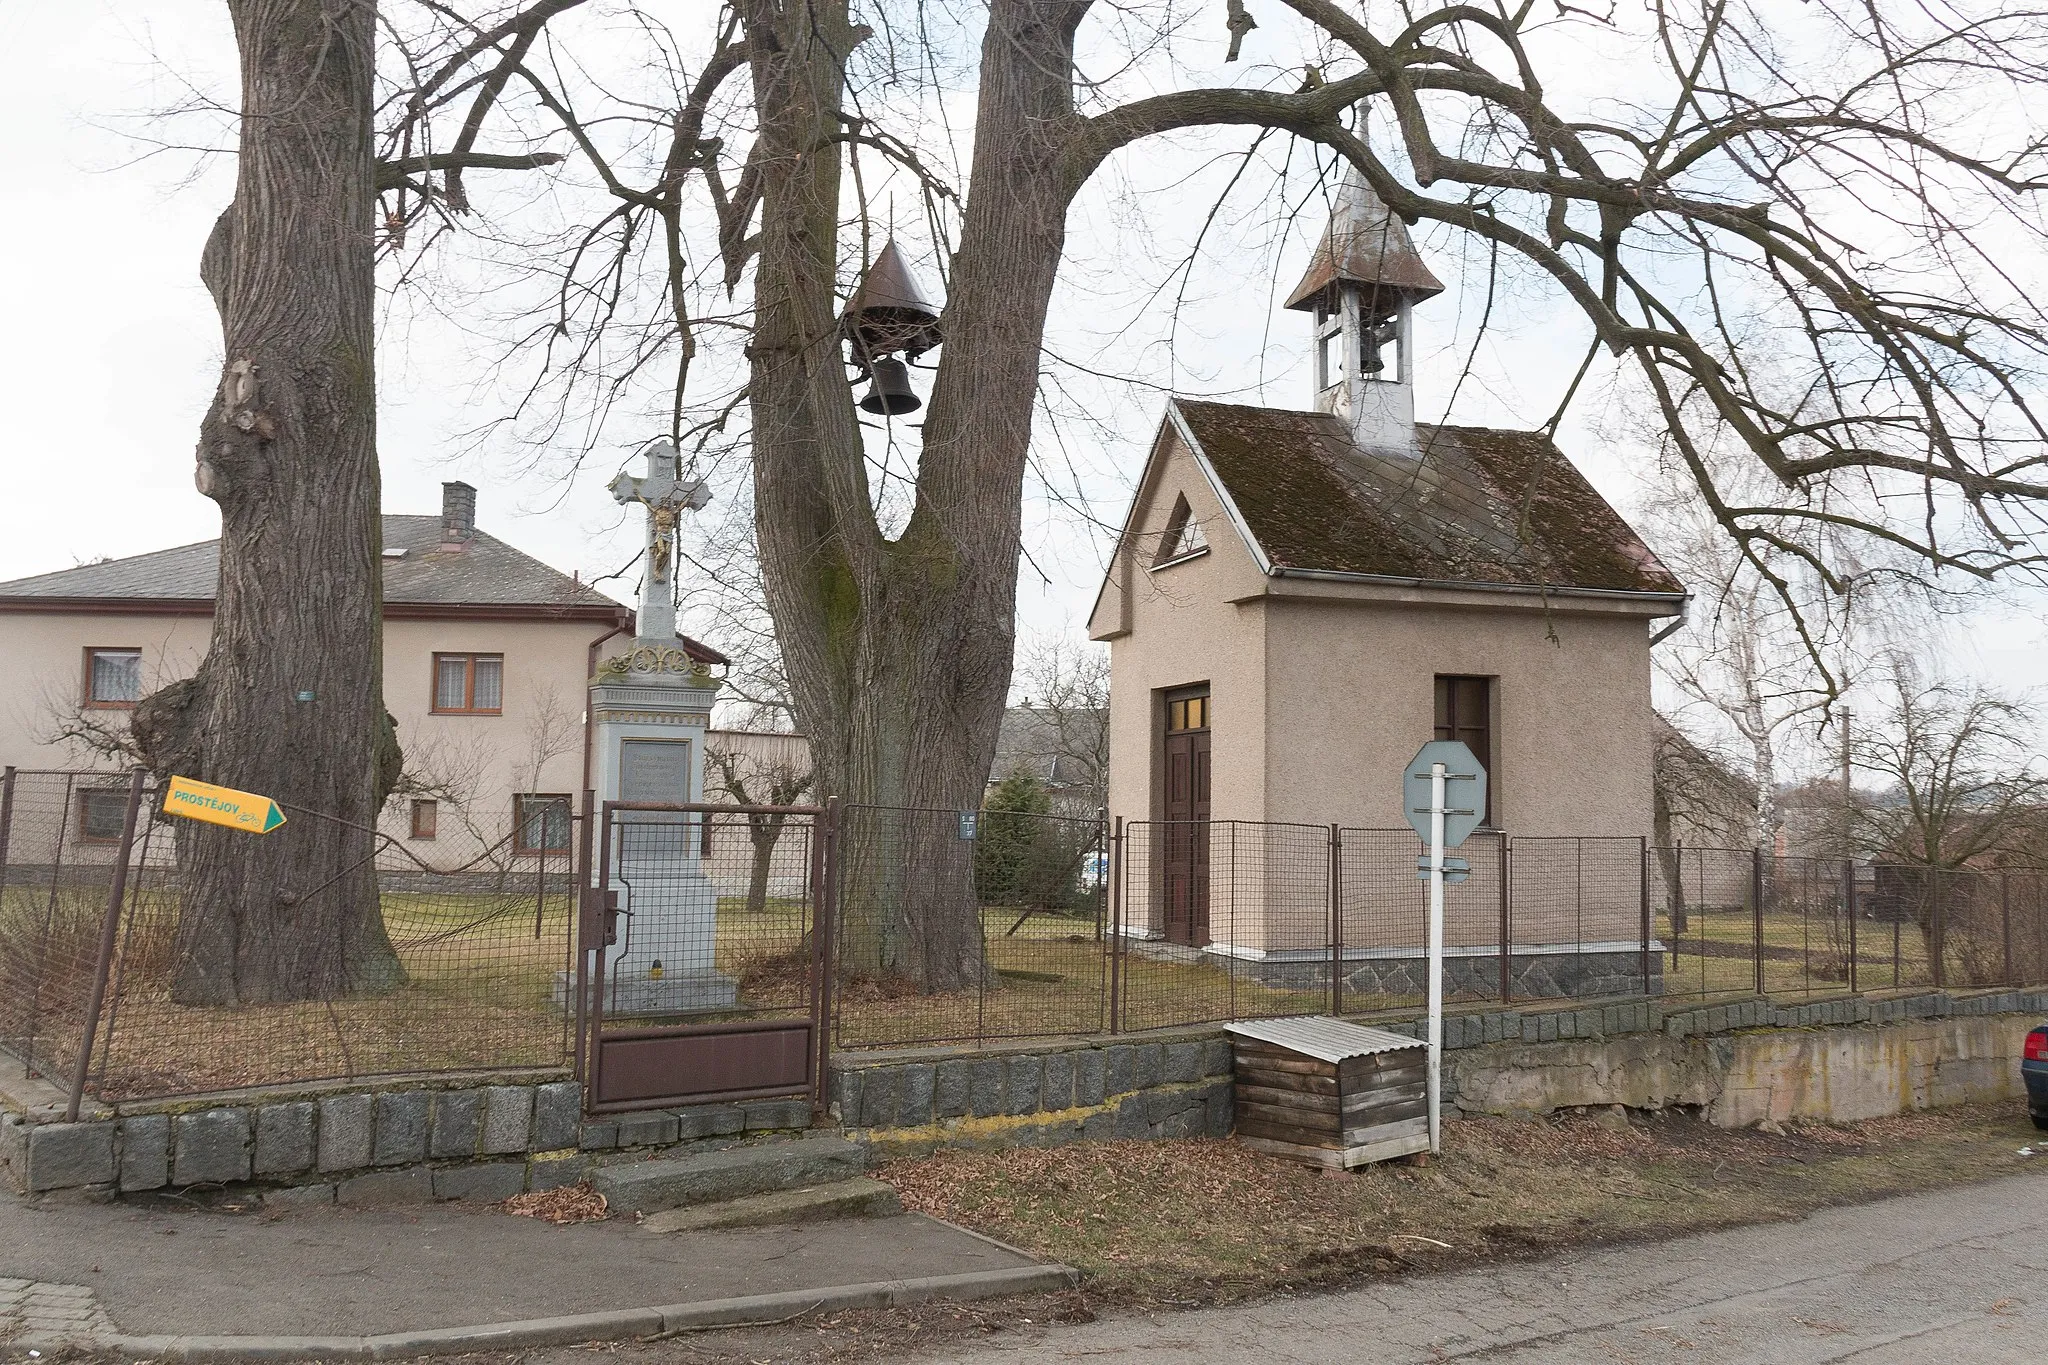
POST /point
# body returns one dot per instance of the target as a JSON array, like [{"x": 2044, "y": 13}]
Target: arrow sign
[{"x": 245, "y": 811}]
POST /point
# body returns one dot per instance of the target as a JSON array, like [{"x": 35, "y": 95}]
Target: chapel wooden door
[{"x": 1186, "y": 812}]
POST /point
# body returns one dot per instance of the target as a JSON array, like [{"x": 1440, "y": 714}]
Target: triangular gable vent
[{"x": 1183, "y": 536}]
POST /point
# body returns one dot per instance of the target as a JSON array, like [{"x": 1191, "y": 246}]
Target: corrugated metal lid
[{"x": 1326, "y": 1039}]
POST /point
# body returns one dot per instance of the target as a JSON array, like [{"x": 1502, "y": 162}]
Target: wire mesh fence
[
  {"x": 456, "y": 966},
  {"x": 943, "y": 929},
  {"x": 716, "y": 915},
  {"x": 1001, "y": 911}
]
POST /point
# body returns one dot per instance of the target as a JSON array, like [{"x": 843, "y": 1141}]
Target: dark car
[{"x": 2034, "y": 1068}]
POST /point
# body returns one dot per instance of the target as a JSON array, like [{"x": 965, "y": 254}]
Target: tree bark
[
  {"x": 289, "y": 700},
  {"x": 899, "y": 652}
]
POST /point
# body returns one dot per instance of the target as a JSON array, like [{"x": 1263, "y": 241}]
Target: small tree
[
  {"x": 1962, "y": 788},
  {"x": 1013, "y": 822},
  {"x": 755, "y": 782}
]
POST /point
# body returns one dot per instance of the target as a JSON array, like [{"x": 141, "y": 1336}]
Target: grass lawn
[{"x": 481, "y": 983}]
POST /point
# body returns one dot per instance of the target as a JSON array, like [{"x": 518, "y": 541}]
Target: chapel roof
[
  {"x": 1365, "y": 243},
  {"x": 1474, "y": 504}
]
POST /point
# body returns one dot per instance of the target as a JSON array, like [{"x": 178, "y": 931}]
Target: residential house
[{"x": 487, "y": 658}]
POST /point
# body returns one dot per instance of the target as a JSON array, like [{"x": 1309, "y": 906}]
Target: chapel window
[
  {"x": 469, "y": 684},
  {"x": 1464, "y": 711},
  {"x": 426, "y": 819},
  {"x": 1183, "y": 538}
]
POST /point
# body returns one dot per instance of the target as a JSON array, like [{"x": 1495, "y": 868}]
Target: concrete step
[
  {"x": 729, "y": 1173},
  {"x": 856, "y": 1198}
]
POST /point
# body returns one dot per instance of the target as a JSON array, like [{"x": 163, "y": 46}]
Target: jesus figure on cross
[{"x": 664, "y": 493}]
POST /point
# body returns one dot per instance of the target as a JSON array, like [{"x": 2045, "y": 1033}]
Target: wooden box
[{"x": 1330, "y": 1093}]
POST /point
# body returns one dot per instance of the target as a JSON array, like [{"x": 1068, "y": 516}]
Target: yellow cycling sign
[{"x": 245, "y": 811}]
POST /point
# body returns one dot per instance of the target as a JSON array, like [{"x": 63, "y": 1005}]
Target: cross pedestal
[{"x": 650, "y": 707}]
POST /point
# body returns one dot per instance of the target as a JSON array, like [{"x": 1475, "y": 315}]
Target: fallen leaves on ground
[
  {"x": 576, "y": 1203},
  {"x": 1203, "y": 1220}
]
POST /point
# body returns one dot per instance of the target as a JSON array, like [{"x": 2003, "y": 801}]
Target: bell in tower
[{"x": 1361, "y": 285}]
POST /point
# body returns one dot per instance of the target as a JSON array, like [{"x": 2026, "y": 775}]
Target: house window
[
  {"x": 113, "y": 677},
  {"x": 469, "y": 684},
  {"x": 1464, "y": 711},
  {"x": 426, "y": 819},
  {"x": 102, "y": 815},
  {"x": 540, "y": 823},
  {"x": 1183, "y": 538},
  {"x": 1187, "y": 713}
]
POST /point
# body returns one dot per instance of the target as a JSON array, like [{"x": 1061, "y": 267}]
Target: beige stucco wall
[
  {"x": 1322, "y": 690},
  {"x": 1175, "y": 627},
  {"x": 535, "y": 744},
  {"x": 1352, "y": 695},
  {"x": 42, "y": 662}
]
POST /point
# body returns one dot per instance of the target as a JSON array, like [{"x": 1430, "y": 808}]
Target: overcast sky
[{"x": 111, "y": 351}]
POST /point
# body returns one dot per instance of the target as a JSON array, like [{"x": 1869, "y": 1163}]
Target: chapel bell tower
[{"x": 1361, "y": 285}]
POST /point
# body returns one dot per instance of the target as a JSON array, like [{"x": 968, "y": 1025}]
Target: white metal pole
[{"x": 1436, "y": 953}]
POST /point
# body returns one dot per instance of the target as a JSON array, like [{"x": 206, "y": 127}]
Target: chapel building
[{"x": 1299, "y": 599}]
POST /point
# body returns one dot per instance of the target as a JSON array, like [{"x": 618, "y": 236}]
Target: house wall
[{"x": 534, "y": 744}]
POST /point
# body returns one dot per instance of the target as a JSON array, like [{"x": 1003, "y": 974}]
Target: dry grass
[{"x": 1208, "y": 1221}]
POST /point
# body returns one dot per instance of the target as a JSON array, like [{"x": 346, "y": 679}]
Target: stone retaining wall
[
  {"x": 1155, "y": 1085},
  {"x": 481, "y": 1139}
]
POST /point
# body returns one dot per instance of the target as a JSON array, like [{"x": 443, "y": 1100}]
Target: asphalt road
[{"x": 1951, "y": 1277}]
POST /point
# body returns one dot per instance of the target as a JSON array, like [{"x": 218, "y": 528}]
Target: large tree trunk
[
  {"x": 289, "y": 701},
  {"x": 899, "y": 652}
]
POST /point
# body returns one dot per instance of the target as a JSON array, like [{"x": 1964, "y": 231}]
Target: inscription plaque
[{"x": 654, "y": 770}]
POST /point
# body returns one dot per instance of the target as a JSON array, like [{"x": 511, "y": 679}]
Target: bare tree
[
  {"x": 758, "y": 781},
  {"x": 1822, "y": 170},
  {"x": 1958, "y": 767},
  {"x": 288, "y": 701},
  {"x": 1697, "y": 798},
  {"x": 1065, "y": 686}
]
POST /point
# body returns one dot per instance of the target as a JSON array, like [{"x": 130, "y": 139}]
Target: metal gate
[{"x": 701, "y": 954}]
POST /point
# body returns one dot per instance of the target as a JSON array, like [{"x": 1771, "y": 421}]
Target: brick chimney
[{"x": 458, "y": 515}]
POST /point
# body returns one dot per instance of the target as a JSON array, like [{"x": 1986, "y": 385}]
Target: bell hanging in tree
[
  {"x": 891, "y": 394},
  {"x": 890, "y": 312}
]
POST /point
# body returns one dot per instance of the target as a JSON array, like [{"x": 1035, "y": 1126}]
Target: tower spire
[{"x": 1360, "y": 285}]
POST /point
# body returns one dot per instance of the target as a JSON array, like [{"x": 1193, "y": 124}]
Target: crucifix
[{"x": 664, "y": 493}]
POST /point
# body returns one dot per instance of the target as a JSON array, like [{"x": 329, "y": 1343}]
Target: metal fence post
[
  {"x": 824, "y": 936},
  {"x": 2006, "y": 913},
  {"x": 1116, "y": 925},
  {"x": 1336, "y": 882},
  {"x": 1849, "y": 908},
  {"x": 1643, "y": 852},
  {"x": 1940, "y": 928},
  {"x": 1756, "y": 899},
  {"x": 109, "y": 931},
  {"x": 1506, "y": 921},
  {"x": 579, "y": 929},
  {"x": 6, "y": 818}
]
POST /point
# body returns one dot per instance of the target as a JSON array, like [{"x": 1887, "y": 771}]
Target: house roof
[
  {"x": 485, "y": 578},
  {"x": 1031, "y": 740},
  {"x": 1479, "y": 506}
]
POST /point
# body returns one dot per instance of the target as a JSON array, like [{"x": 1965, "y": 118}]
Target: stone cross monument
[{"x": 651, "y": 706}]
